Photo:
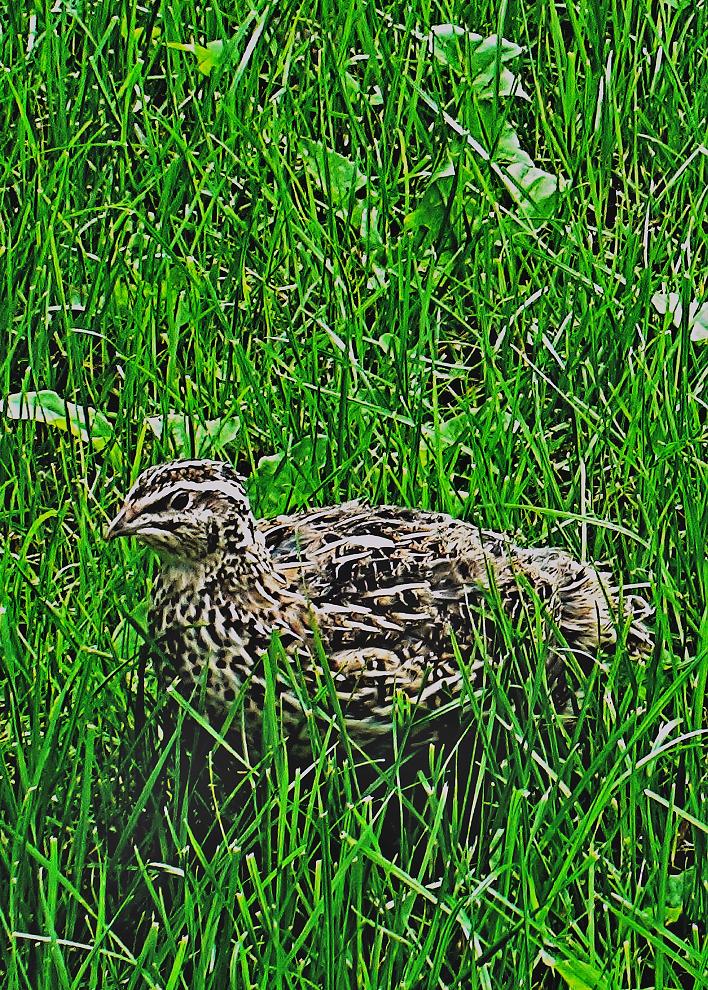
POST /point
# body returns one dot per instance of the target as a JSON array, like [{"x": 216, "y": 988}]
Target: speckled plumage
[{"x": 385, "y": 589}]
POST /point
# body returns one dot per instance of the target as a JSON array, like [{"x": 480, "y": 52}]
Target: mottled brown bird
[{"x": 394, "y": 597}]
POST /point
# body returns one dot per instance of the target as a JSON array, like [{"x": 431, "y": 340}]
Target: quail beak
[{"x": 122, "y": 524}]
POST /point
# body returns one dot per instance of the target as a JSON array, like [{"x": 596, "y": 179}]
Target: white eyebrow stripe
[{"x": 221, "y": 487}]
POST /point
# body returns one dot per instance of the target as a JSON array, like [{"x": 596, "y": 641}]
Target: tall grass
[{"x": 358, "y": 254}]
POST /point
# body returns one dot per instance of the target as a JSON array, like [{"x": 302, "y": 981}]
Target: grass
[{"x": 342, "y": 260}]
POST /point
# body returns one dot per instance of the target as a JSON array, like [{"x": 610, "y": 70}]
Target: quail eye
[{"x": 179, "y": 501}]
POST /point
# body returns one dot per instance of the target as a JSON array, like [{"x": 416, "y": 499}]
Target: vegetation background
[{"x": 450, "y": 255}]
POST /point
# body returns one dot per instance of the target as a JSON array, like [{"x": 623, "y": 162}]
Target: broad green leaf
[
  {"x": 342, "y": 179},
  {"x": 137, "y": 32},
  {"x": 447, "y": 433},
  {"x": 488, "y": 50},
  {"x": 208, "y": 56},
  {"x": 445, "y": 40},
  {"x": 432, "y": 208},
  {"x": 578, "y": 975},
  {"x": 509, "y": 85},
  {"x": 211, "y": 434},
  {"x": 676, "y": 889},
  {"x": 699, "y": 323},
  {"x": 532, "y": 189},
  {"x": 373, "y": 97},
  {"x": 50, "y": 408},
  {"x": 288, "y": 477},
  {"x": 670, "y": 302},
  {"x": 124, "y": 293},
  {"x": 345, "y": 177},
  {"x": 508, "y": 147},
  {"x": 368, "y": 218},
  {"x": 480, "y": 59}
]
